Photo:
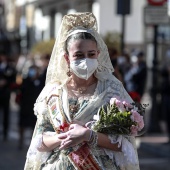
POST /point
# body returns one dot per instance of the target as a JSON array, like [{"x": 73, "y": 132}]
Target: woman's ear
[{"x": 66, "y": 56}]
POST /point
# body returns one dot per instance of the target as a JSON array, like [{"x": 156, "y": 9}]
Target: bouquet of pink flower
[{"x": 119, "y": 117}]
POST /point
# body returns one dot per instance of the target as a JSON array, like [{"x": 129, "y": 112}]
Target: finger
[
  {"x": 65, "y": 144},
  {"x": 72, "y": 126},
  {"x": 65, "y": 141},
  {"x": 61, "y": 147},
  {"x": 62, "y": 136}
]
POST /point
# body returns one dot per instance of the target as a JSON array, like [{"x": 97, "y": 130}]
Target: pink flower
[
  {"x": 134, "y": 130},
  {"x": 135, "y": 116},
  {"x": 120, "y": 106},
  {"x": 127, "y": 104},
  {"x": 141, "y": 124},
  {"x": 112, "y": 101}
]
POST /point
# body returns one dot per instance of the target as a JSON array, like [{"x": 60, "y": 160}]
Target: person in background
[
  {"x": 114, "y": 60},
  {"x": 165, "y": 93},
  {"x": 141, "y": 74},
  {"x": 135, "y": 78},
  {"x": 124, "y": 62},
  {"x": 7, "y": 78},
  {"x": 45, "y": 60},
  {"x": 29, "y": 90}
]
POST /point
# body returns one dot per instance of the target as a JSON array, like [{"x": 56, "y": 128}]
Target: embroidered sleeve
[
  {"x": 43, "y": 125},
  {"x": 43, "y": 121}
]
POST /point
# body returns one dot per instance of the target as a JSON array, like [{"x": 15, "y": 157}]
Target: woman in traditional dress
[{"x": 79, "y": 81}]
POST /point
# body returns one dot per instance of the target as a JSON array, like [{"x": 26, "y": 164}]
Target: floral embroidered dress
[{"x": 57, "y": 107}]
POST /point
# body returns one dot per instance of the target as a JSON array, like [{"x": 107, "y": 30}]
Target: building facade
[{"x": 31, "y": 21}]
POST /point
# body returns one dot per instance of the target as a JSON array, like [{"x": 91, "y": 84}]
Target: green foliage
[
  {"x": 43, "y": 47},
  {"x": 112, "y": 40},
  {"x": 112, "y": 121}
]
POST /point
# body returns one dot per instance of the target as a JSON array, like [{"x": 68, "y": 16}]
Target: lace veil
[{"x": 72, "y": 23}]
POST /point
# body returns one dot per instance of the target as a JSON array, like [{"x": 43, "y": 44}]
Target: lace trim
[
  {"x": 36, "y": 143},
  {"x": 127, "y": 156},
  {"x": 33, "y": 151}
]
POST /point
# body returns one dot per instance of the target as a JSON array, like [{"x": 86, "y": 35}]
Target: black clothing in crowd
[
  {"x": 135, "y": 78},
  {"x": 30, "y": 89},
  {"x": 7, "y": 78},
  {"x": 165, "y": 93}
]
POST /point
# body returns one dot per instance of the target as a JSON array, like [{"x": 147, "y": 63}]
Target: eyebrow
[
  {"x": 88, "y": 51},
  {"x": 92, "y": 51}
]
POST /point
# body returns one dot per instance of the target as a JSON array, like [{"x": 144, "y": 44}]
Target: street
[
  {"x": 151, "y": 161},
  {"x": 13, "y": 158}
]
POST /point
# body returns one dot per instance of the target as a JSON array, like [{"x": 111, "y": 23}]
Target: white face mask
[{"x": 84, "y": 68}]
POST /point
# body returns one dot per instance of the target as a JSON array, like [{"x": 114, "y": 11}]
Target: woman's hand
[{"x": 74, "y": 136}]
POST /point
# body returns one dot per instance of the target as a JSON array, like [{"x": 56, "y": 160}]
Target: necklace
[{"x": 81, "y": 90}]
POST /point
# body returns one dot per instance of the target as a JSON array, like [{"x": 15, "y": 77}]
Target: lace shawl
[{"x": 125, "y": 159}]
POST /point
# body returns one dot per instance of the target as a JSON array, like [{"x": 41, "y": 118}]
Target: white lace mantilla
[{"x": 82, "y": 22}]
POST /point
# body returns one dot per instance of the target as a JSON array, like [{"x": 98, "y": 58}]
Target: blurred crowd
[
  {"x": 131, "y": 70},
  {"x": 26, "y": 77}
]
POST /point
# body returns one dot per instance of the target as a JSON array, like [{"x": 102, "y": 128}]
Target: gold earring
[{"x": 68, "y": 72}]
